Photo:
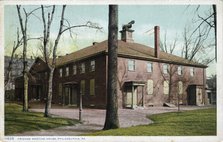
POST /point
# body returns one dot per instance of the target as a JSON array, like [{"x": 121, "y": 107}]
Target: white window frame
[
  {"x": 149, "y": 67},
  {"x": 74, "y": 69},
  {"x": 61, "y": 72},
  {"x": 179, "y": 70},
  {"x": 93, "y": 65},
  {"x": 82, "y": 68},
  {"x": 165, "y": 68},
  {"x": 131, "y": 65},
  {"x": 67, "y": 71},
  {"x": 192, "y": 71}
]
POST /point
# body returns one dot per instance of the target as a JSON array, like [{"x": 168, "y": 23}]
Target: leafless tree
[
  {"x": 46, "y": 37},
  {"x": 171, "y": 74},
  {"x": 16, "y": 45},
  {"x": 23, "y": 26},
  {"x": 112, "y": 121},
  {"x": 168, "y": 48},
  {"x": 205, "y": 23},
  {"x": 195, "y": 45}
]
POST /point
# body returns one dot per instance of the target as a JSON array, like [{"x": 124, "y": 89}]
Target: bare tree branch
[{"x": 88, "y": 25}]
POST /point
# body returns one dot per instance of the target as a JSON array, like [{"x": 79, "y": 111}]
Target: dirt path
[{"x": 94, "y": 120}]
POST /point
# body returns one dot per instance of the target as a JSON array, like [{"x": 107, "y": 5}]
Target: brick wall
[{"x": 157, "y": 97}]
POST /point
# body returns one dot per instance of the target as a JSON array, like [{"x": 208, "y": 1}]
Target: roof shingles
[{"x": 133, "y": 50}]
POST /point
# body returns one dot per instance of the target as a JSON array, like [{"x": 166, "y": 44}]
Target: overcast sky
[{"x": 172, "y": 20}]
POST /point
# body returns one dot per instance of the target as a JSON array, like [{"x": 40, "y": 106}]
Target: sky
[{"x": 172, "y": 20}]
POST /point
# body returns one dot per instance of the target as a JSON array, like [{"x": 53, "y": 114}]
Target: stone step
[{"x": 168, "y": 105}]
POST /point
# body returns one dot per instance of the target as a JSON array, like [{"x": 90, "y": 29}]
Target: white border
[{"x": 218, "y": 138}]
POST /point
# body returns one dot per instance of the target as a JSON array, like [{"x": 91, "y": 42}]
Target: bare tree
[
  {"x": 170, "y": 71},
  {"x": 16, "y": 45},
  {"x": 23, "y": 26},
  {"x": 168, "y": 48},
  {"x": 206, "y": 23},
  {"x": 112, "y": 121},
  {"x": 46, "y": 37},
  {"x": 195, "y": 44}
]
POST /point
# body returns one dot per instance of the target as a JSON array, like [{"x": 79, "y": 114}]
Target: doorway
[
  {"x": 133, "y": 97},
  {"x": 70, "y": 95}
]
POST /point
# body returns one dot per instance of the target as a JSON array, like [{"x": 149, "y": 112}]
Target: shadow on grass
[{"x": 17, "y": 121}]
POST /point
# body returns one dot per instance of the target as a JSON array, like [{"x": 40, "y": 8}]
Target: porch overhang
[
  {"x": 134, "y": 83},
  {"x": 70, "y": 83}
]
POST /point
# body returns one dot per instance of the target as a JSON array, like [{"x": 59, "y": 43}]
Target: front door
[
  {"x": 67, "y": 95},
  {"x": 73, "y": 97},
  {"x": 70, "y": 95},
  {"x": 131, "y": 97}
]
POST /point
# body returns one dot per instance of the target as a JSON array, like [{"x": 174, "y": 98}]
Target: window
[
  {"x": 74, "y": 69},
  {"x": 149, "y": 67},
  {"x": 61, "y": 72},
  {"x": 180, "y": 87},
  {"x": 67, "y": 71},
  {"x": 165, "y": 68},
  {"x": 131, "y": 65},
  {"x": 166, "y": 87},
  {"x": 82, "y": 69},
  {"x": 150, "y": 87},
  {"x": 179, "y": 70},
  {"x": 82, "y": 87},
  {"x": 93, "y": 65},
  {"x": 92, "y": 87},
  {"x": 191, "y": 71}
]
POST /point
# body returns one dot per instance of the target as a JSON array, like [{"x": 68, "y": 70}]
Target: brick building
[{"x": 146, "y": 76}]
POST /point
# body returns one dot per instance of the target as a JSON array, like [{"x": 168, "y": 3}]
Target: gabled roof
[{"x": 125, "y": 49}]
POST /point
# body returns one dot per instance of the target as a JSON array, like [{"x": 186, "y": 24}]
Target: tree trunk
[
  {"x": 26, "y": 84},
  {"x": 25, "y": 75},
  {"x": 25, "y": 68},
  {"x": 112, "y": 121},
  {"x": 49, "y": 94},
  {"x": 25, "y": 71}
]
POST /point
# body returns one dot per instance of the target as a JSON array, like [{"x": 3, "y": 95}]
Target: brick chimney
[
  {"x": 126, "y": 35},
  {"x": 126, "y": 32},
  {"x": 157, "y": 41}
]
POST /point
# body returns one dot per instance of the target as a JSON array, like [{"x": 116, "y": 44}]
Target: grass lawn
[
  {"x": 17, "y": 121},
  {"x": 187, "y": 123}
]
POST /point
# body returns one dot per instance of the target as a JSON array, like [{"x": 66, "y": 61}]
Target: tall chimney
[{"x": 157, "y": 41}]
